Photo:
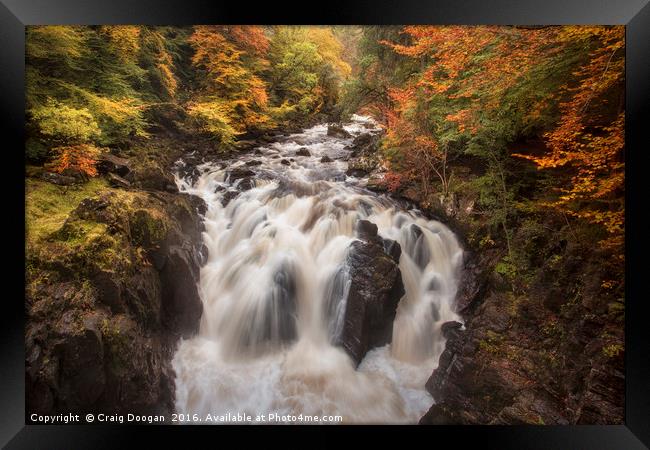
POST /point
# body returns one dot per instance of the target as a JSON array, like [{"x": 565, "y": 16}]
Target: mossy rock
[{"x": 148, "y": 227}]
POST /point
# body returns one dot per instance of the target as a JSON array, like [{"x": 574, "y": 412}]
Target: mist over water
[{"x": 275, "y": 283}]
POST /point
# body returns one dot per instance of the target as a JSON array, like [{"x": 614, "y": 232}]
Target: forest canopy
[{"x": 508, "y": 99}]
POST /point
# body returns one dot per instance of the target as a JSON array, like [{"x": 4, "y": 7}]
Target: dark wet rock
[
  {"x": 242, "y": 178},
  {"x": 109, "y": 163},
  {"x": 375, "y": 290},
  {"x": 152, "y": 178},
  {"x": 228, "y": 196},
  {"x": 523, "y": 360},
  {"x": 326, "y": 159},
  {"x": 280, "y": 323},
  {"x": 245, "y": 184},
  {"x": 392, "y": 248},
  {"x": 255, "y": 162},
  {"x": 356, "y": 172},
  {"x": 238, "y": 173},
  {"x": 117, "y": 181},
  {"x": 376, "y": 183},
  {"x": 181, "y": 303},
  {"x": 337, "y": 130},
  {"x": 366, "y": 230},
  {"x": 189, "y": 172},
  {"x": 475, "y": 277},
  {"x": 80, "y": 353},
  {"x": 109, "y": 291},
  {"x": 285, "y": 162},
  {"x": 303, "y": 151},
  {"x": 365, "y": 144},
  {"x": 419, "y": 251},
  {"x": 362, "y": 140},
  {"x": 361, "y": 167},
  {"x": 59, "y": 179}
]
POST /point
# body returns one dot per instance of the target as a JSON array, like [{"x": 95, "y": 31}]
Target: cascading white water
[{"x": 273, "y": 291}]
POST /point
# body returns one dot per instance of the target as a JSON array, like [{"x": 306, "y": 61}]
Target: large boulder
[
  {"x": 337, "y": 130},
  {"x": 365, "y": 144},
  {"x": 109, "y": 163},
  {"x": 242, "y": 178},
  {"x": 375, "y": 290},
  {"x": 152, "y": 177},
  {"x": 361, "y": 166}
]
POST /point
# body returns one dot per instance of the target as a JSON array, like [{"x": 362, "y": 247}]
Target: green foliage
[
  {"x": 306, "y": 71},
  {"x": 97, "y": 84},
  {"x": 62, "y": 124},
  {"x": 48, "y": 205},
  {"x": 378, "y": 68}
]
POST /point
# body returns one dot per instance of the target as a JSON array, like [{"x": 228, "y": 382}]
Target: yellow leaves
[
  {"x": 54, "y": 41},
  {"x": 259, "y": 96},
  {"x": 214, "y": 117},
  {"x": 169, "y": 81},
  {"x": 235, "y": 93},
  {"x": 329, "y": 48},
  {"x": 124, "y": 40}
]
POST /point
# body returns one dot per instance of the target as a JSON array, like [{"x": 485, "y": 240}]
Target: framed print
[{"x": 369, "y": 217}]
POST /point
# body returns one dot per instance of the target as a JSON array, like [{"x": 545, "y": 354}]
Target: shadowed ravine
[{"x": 278, "y": 229}]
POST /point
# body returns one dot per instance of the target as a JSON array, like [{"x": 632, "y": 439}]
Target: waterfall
[{"x": 275, "y": 283}]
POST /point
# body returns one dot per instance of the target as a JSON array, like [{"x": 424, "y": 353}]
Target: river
[{"x": 273, "y": 302}]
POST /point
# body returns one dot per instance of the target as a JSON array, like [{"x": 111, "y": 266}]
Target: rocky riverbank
[
  {"x": 112, "y": 269},
  {"x": 542, "y": 341}
]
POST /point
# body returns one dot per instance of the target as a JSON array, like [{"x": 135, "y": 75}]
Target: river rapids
[{"x": 275, "y": 254}]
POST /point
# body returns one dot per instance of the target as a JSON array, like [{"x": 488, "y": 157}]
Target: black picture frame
[{"x": 635, "y": 14}]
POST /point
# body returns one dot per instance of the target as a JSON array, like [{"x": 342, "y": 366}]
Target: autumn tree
[
  {"x": 306, "y": 71},
  {"x": 233, "y": 100},
  {"x": 590, "y": 135}
]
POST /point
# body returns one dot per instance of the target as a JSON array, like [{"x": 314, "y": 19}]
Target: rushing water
[{"x": 273, "y": 291}]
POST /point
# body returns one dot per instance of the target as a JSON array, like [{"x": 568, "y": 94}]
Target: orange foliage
[
  {"x": 81, "y": 157},
  {"x": 480, "y": 64},
  {"x": 393, "y": 180},
  {"x": 586, "y": 139},
  {"x": 224, "y": 53},
  {"x": 475, "y": 62}
]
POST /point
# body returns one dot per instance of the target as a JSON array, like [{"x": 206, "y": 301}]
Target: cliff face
[
  {"x": 111, "y": 286},
  {"x": 547, "y": 349}
]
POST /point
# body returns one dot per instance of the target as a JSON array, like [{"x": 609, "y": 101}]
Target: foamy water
[{"x": 275, "y": 283}]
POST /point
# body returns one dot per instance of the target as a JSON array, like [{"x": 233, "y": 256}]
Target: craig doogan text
[{"x": 99, "y": 418}]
